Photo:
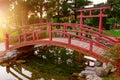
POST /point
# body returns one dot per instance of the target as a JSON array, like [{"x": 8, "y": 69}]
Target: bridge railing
[
  {"x": 66, "y": 30},
  {"x": 77, "y": 35}
]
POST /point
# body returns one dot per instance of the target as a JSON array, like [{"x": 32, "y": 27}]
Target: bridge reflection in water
[{"x": 17, "y": 71}]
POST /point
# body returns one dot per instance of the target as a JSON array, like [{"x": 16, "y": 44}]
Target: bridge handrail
[
  {"x": 90, "y": 41},
  {"x": 93, "y": 28},
  {"x": 72, "y": 25},
  {"x": 68, "y": 35},
  {"x": 28, "y": 27},
  {"x": 85, "y": 26},
  {"x": 58, "y": 31}
]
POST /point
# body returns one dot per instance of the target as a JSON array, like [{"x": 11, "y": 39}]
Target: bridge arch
[{"x": 61, "y": 44}]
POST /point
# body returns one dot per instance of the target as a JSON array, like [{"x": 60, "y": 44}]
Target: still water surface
[
  {"x": 14, "y": 73},
  {"x": 18, "y": 73}
]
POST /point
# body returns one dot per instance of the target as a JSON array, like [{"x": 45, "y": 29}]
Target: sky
[
  {"x": 98, "y": 1},
  {"x": 95, "y": 2}
]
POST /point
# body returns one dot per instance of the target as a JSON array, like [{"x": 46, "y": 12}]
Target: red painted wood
[
  {"x": 91, "y": 45},
  {"x": 90, "y": 13},
  {"x": 64, "y": 30},
  {"x": 69, "y": 39},
  {"x": 25, "y": 37},
  {"x": 100, "y": 21},
  {"x": 19, "y": 38},
  {"x": 7, "y": 41},
  {"x": 34, "y": 35},
  {"x": 50, "y": 32},
  {"x": 101, "y": 15}
]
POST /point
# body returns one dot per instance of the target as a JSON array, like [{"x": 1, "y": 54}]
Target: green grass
[
  {"x": 114, "y": 32},
  {"x": 14, "y": 33}
]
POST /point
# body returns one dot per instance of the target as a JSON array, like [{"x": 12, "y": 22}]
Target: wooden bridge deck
[{"x": 81, "y": 44}]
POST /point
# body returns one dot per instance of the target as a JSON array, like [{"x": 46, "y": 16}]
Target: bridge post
[
  {"x": 7, "y": 42},
  {"x": 91, "y": 45},
  {"x": 19, "y": 38},
  {"x": 81, "y": 22},
  {"x": 90, "y": 13},
  {"x": 50, "y": 32},
  {"x": 25, "y": 37},
  {"x": 34, "y": 35},
  {"x": 69, "y": 39},
  {"x": 64, "y": 30},
  {"x": 100, "y": 21}
]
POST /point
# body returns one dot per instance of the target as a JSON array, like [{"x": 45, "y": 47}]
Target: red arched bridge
[{"x": 80, "y": 37}]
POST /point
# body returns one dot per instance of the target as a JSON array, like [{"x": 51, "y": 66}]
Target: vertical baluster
[
  {"x": 69, "y": 39},
  {"x": 90, "y": 13},
  {"x": 50, "y": 32},
  {"x": 25, "y": 37},
  {"x": 81, "y": 22},
  {"x": 100, "y": 21},
  {"x": 91, "y": 46},
  {"x": 64, "y": 30},
  {"x": 34, "y": 35},
  {"x": 19, "y": 38},
  {"x": 7, "y": 41}
]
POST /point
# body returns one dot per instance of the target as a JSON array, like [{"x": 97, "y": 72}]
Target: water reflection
[
  {"x": 14, "y": 72},
  {"x": 17, "y": 71},
  {"x": 5, "y": 75}
]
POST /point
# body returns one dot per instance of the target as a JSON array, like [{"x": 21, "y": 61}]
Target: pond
[
  {"x": 14, "y": 74},
  {"x": 18, "y": 71},
  {"x": 44, "y": 66},
  {"x": 21, "y": 72},
  {"x": 35, "y": 69}
]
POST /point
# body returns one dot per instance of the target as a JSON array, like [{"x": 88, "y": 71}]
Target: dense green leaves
[{"x": 115, "y": 11}]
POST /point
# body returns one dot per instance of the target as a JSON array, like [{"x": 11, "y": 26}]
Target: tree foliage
[
  {"x": 115, "y": 11},
  {"x": 52, "y": 8}
]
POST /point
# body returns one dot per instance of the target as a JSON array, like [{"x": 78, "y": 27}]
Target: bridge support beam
[
  {"x": 34, "y": 36},
  {"x": 50, "y": 32},
  {"x": 91, "y": 45},
  {"x": 64, "y": 30},
  {"x": 69, "y": 39},
  {"x": 25, "y": 37},
  {"x": 81, "y": 22},
  {"x": 100, "y": 21},
  {"x": 7, "y": 42}
]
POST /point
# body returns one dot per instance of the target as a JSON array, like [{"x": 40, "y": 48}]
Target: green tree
[
  {"x": 19, "y": 10},
  {"x": 115, "y": 11},
  {"x": 111, "y": 22},
  {"x": 76, "y": 4},
  {"x": 38, "y": 6}
]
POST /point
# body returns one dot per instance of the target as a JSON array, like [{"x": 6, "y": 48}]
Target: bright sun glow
[
  {"x": 3, "y": 25},
  {"x": 6, "y": 23}
]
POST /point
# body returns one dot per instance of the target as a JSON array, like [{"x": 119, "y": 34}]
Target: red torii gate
[{"x": 82, "y": 16}]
